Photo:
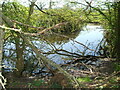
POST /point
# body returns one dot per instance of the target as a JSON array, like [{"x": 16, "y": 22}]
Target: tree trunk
[
  {"x": 31, "y": 9},
  {"x": 20, "y": 58},
  {"x": 117, "y": 30},
  {"x": 2, "y": 79},
  {"x": 50, "y": 4}
]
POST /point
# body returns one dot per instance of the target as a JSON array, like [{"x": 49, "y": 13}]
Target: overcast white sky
[
  {"x": 59, "y": 3},
  {"x": 46, "y": 2}
]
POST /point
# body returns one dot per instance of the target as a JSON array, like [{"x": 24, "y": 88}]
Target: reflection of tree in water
[
  {"x": 30, "y": 61},
  {"x": 14, "y": 62},
  {"x": 59, "y": 37}
]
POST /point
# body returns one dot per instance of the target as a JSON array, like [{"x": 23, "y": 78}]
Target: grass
[{"x": 85, "y": 79}]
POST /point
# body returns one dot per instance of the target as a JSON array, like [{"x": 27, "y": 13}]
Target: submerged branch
[{"x": 48, "y": 61}]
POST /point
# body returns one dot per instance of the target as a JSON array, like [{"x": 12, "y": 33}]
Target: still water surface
[{"x": 90, "y": 35}]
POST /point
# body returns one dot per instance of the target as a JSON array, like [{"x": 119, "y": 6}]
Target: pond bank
[{"x": 86, "y": 78}]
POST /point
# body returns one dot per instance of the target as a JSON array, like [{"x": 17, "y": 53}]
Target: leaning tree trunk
[{"x": 75, "y": 83}]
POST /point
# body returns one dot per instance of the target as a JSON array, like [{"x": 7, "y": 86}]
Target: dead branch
[
  {"x": 98, "y": 46},
  {"x": 106, "y": 79},
  {"x": 88, "y": 4},
  {"x": 48, "y": 61},
  {"x": 76, "y": 54},
  {"x": 44, "y": 11},
  {"x": 57, "y": 26},
  {"x": 44, "y": 59},
  {"x": 57, "y": 50}
]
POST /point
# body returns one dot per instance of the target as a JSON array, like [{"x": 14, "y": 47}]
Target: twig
[
  {"x": 57, "y": 26},
  {"x": 13, "y": 29},
  {"x": 44, "y": 59},
  {"x": 44, "y": 11},
  {"x": 27, "y": 25},
  {"x": 98, "y": 46},
  {"x": 106, "y": 79}
]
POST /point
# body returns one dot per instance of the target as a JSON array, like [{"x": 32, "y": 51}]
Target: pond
[{"x": 90, "y": 35}]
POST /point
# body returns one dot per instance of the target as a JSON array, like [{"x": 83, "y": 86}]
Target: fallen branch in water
[
  {"x": 45, "y": 60},
  {"x": 77, "y": 55},
  {"x": 57, "y": 26}
]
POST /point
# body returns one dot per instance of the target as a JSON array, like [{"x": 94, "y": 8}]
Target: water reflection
[
  {"x": 59, "y": 39},
  {"x": 89, "y": 35}
]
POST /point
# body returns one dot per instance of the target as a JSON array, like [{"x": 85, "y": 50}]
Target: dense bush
[{"x": 18, "y": 12}]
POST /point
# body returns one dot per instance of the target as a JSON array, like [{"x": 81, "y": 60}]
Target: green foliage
[
  {"x": 73, "y": 18},
  {"x": 106, "y": 16},
  {"x": 116, "y": 66},
  {"x": 85, "y": 79},
  {"x": 115, "y": 86},
  {"x": 95, "y": 17},
  {"x": 18, "y": 12},
  {"x": 15, "y": 11},
  {"x": 37, "y": 83},
  {"x": 113, "y": 80}
]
